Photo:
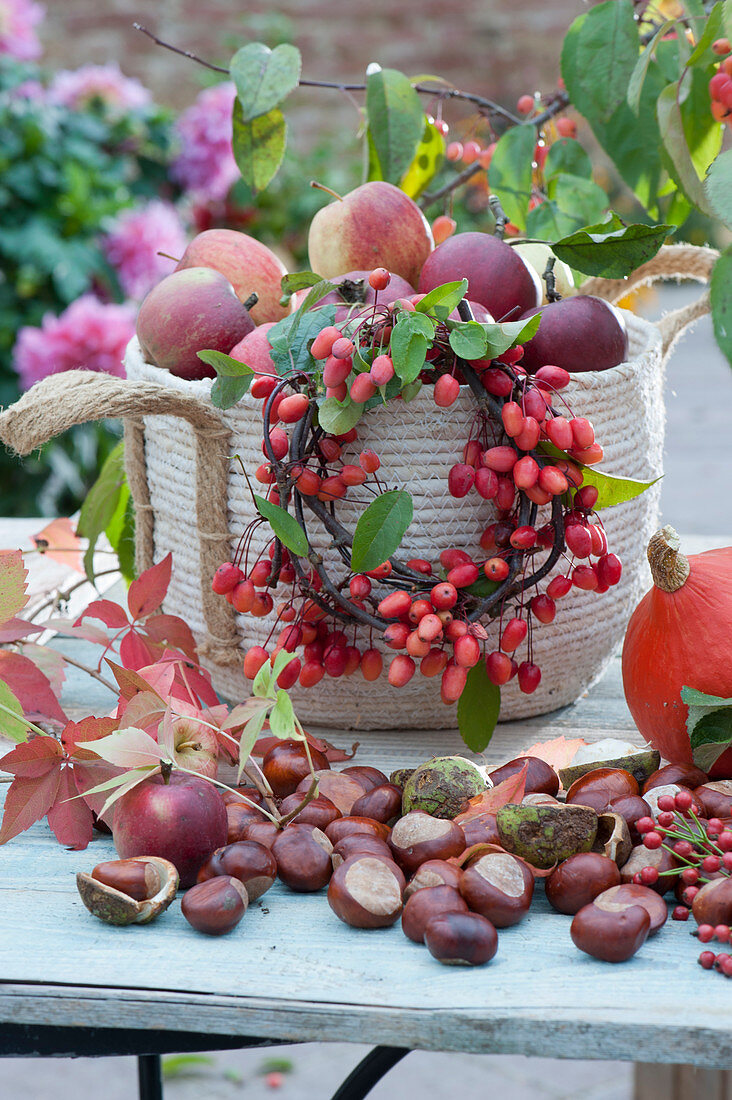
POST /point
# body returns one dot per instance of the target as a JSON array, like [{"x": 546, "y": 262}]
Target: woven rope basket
[{"x": 191, "y": 498}]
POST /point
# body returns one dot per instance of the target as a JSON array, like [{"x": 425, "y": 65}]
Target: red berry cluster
[
  {"x": 720, "y": 86},
  {"x": 702, "y": 848}
]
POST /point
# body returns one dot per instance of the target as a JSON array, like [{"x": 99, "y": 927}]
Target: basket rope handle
[
  {"x": 64, "y": 400},
  {"x": 674, "y": 261}
]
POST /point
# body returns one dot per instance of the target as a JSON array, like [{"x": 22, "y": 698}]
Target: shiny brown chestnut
[
  {"x": 244, "y": 795},
  {"x": 347, "y": 826},
  {"x": 362, "y": 844},
  {"x": 383, "y": 803},
  {"x": 435, "y": 872},
  {"x": 246, "y": 860},
  {"x": 713, "y": 904},
  {"x": 499, "y": 887},
  {"x": 105, "y": 899},
  {"x": 461, "y": 939},
  {"x": 367, "y": 776},
  {"x": 540, "y": 776},
  {"x": 631, "y": 807},
  {"x": 659, "y": 858},
  {"x": 422, "y": 906},
  {"x": 478, "y": 828},
  {"x": 238, "y": 816},
  {"x": 341, "y": 789},
  {"x": 264, "y": 832},
  {"x": 287, "y": 763},
  {"x": 134, "y": 877},
  {"x": 215, "y": 906},
  {"x": 303, "y": 858},
  {"x": 619, "y": 898},
  {"x": 319, "y": 811},
  {"x": 715, "y": 798},
  {"x": 366, "y": 892},
  {"x": 611, "y": 936},
  {"x": 418, "y": 836},
  {"x": 598, "y": 787},
  {"x": 684, "y": 775},
  {"x": 579, "y": 880}
]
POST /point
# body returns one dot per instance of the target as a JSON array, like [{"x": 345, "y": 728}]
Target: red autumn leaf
[
  {"x": 510, "y": 790},
  {"x": 15, "y": 629},
  {"x": 33, "y": 759},
  {"x": 13, "y": 596},
  {"x": 486, "y": 848},
  {"x": 91, "y": 775},
  {"x": 87, "y": 632},
  {"x": 333, "y": 754},
  {"x": 75, "y": 734},
  {"x": 174, "y": 631},
  {"x": 197, "y": 680},
  {"x": 27, "y": 801},
  {"x": 50, "y": 662},
  {"x": 58, "y": 540},
  {"x": 558, "y": 752},
  {"x": 129, "y": 680},
  {"x": 147, "y": 592},
  {"x": 70, "y": 818},
  {"x": 30, "y": 686},
  {"x": 110, "y": 613},
  {"x": 135, "y": 653}
]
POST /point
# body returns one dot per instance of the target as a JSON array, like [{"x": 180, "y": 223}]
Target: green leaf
[
  {"x": 567, "y": 155},
  {"x": 611, "y": 490},
  {"x": 635, "y": 84},
  {"x": 262, "y": 683},
  {"x": 709, "y": 725},
  {"x": 410, "y": 341},
  {"x": 300, "y": 280},
  {"x": 250, "y": 733},
  {"x": 282, "y": 716},
  {"x": 442, "y": 300},
  {"x": 469, "y": 340},
  {"x": 478, "y": 708},
  {"x": 727, "y": 19},
  {"x": 671, "y": 125},
  {"x": 285, "y": 526},
  {"x": 578, "y": 197},
  {"x": 259, "y": 146},
  {"x": 395, "y": 121},
  {"x": 695, "y": 698},
  {"x": 233, "y": 378},
  {"x": 290, "y": 339},
  {"x": 427, "y": 161},
  {"x": 481, "y": 588},
  {"x": 510, "y": 173},
  {"x": 702, "y": 53},
  {"x": 380, "y": 530},
  {"x": 721, "y": 296},
  {"x": 604, "y": 43},
  {"x": 12, "y": 723},
  {"x": 264, "y": 77},
  {"x": 718, "y": 187},
  {"x": 611, "y": 252},
  {"x": 121, "y": 533},
  {"x": 502, "y": 337},
  {"x": 547, "y": 222},
  {"x": 337, "y": 417},
  {"x": 101, "y": 503},
  {"x": 410, "y": 391},
  {"x": 184, "y": 1065},
  {"x": 702, "y": 131}
]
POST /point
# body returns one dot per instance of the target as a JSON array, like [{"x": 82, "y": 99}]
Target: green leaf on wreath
[
  {"x": 233, "y": 378},
  {"x": 410, "y": 341},
  {"x": 259, "y": 146},
  {"x": 709, "y": 725},
  {"x": 264, "y": 77},
  {"x": 285, "y": 526},
  {"x": 721, "y": 298},
  {"x": 380, "y": 529},
  {"x": 469, "y": 340},
  {"x": 338, "y": 417},
  {"x": 502, "y": 337},
  {"x": 442, "y": 300},
  {"x": 611, "y": 249},
  {"x": 510, "y": 173},
  {"x": 300, "y": 280},
  {"x": 478, "y": 708},
  {"x": 395, "y": 121},
  {"x": 291, "y": 337},
  {"x": 611, "y": 490}
]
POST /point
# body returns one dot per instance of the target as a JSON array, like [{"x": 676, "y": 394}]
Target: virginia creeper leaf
[
  {"x": 285, "y": 526},
  {"x": 264, "y": 77},
  {"x": 13, "y": 596},
  {"x": 249, "y": 736},
  {"x": 510, "y": 790},
  {"x": 33, "y": 759},
  {"x": 129, "y": 748},
  {"x": 148, "y": 592},
  {"x": 76, "y": 734},
  {"x": 69, "y": 817},
  {"x": 27, "y": 801},
  {"x": 58, "y": 540},
  {"x": 31, "y": 687},
  {"x": 478, "y": 708},
  {"x": 108, "y": 612},
  {"x": 380, "y": 529},
  {"x": 12, "y": 723},
  {"x": 174, "y": 631},
  {"x": 282, "y": 716},
  {"x": 14, "y": 630}
]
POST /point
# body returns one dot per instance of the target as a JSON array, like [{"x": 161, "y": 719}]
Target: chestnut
[
  {"x": 250, "y": 862},
  {"x": 713, "y": 904},
  {"x": 598, "y": 787},
  {"x": 613, "y": 837},
  {"x": 618, "y": 898},
  {"x": 401, "y": 776},
  {"x": 106, "y": 899},
  {"x": 417, "y": 837},
  {"x": 303, "y": 858},
  {"x": 264, "y": 832},
  {"x": 362, "y": 844},
  {"x": 610, "y": 936},
  {"x": 659, "y": 858},
  {"x": 715, "y": 798},
  {"x": 137, "y": 878},
  {"x": 466, "y": 939},
  {"x": 239, "y": 794},
  {"x": 319, "y": 811},
  {"x": 540, "y": 776},
  {"x": 478, "y": 829},
  {"x": 238, "y": 816},
  {"x": 435, "y": 872},
  {"x": 499, "y": 887},
  {"x": 286, "y": 764},
  {"x": 631, "y": 807},
  {"x": 579, "y": 880},
  {"x": 366, "y": 892},
  {"x": 368, "y": 777},
  {"x": 216, "y": 906},
  {"x": 347, "y": 826},
  {"x": 382, "y": 803},
  {"x": 684, "y": 775},
  {"x": 423, "y": 905},
  {"x": 341, "y": 789}
]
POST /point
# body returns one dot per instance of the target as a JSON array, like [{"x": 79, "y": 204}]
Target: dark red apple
[
  {"x": 497, "y": 276},
  {"x": 248, "y": 264},
  {"x": 187, "y": 312},
  {"x": 580, "y": 334},
  {"x": 255, "y": 350},
  {"x": 183, "y": 820}
]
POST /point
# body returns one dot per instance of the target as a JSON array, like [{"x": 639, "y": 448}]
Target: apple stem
[
  {"x": 175, "y": 259},
  {"x": 165, "y": 769},
  {"x": 251, "y": 301},
  {"x": 330, "y": 191}
]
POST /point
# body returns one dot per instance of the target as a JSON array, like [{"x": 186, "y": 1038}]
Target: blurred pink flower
[
  {"x": 18, "y": 18},
  {"x": 89, "y": 334},
  {"x": 79, "y": 87},
  {"x": 134, "y": 241},
  {"x": 28, "y": 89},
  {"x": 206, "y": 165}
]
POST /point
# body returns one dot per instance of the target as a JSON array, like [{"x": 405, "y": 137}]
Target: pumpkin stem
[{"x": 669, "y": 567}]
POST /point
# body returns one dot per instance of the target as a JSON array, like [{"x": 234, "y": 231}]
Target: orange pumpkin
[{"x": 679, "y": 634}]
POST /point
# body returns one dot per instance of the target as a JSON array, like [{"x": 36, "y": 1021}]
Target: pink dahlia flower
[
  {"x": 78, "y": 88},
  {"x": 18, "y": 20},
  {"x": 206, "y": 166},
  {"x": 89, "y": 334},
  {"x": 134, "y": 242}
]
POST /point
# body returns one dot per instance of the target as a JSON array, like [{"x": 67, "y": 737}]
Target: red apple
[
  {"x": 581, "y": 333},
  {"x": 354, "y": 291},
  {"x": 255, "y": 350},
  {"x": 248, "y": 264},
  {"x": 183, "y": 820},
  {"x": 375, "y": 225},
  {"x": 187, "y": 312},
  {"x": 497, "y": 276}
]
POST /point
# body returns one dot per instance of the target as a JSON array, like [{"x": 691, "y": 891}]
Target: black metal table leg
[
  {"x": 150, "y": 1077},
  {"x": 369, "y": 1072}
]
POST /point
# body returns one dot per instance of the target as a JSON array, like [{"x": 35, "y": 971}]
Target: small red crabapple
[{"x": 379, "y": 278}]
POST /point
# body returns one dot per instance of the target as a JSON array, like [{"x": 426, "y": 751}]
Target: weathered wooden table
[{"x": 291, "y": 972}]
